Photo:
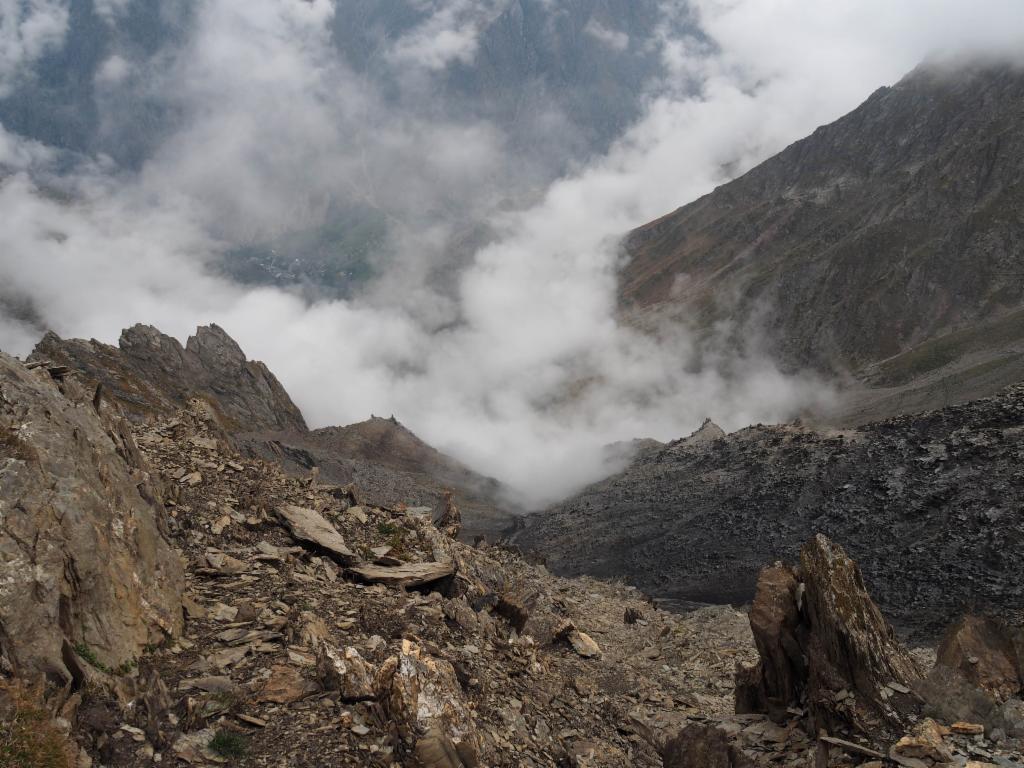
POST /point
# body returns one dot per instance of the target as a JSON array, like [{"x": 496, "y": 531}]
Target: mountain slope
[
  {"x": 898, "y": 224},
  {"x": 929, "y": 505}
]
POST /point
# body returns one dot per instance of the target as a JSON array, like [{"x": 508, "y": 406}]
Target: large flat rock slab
[
  {"x": 310, "y": 526},
  {"x": 408, "y": 575}
]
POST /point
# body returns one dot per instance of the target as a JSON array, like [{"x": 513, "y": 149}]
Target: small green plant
[
  {"x": 229, "y": 744},
  {"x": 387, "y": 529},
  {"x": 125, "y": 667},
  {"x": 87, "y": 653}
]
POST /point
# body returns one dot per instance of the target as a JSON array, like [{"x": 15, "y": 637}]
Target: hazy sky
[{"x": 521, "y": 370}]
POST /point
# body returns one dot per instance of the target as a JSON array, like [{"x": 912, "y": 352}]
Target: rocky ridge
[
  {"x": 391, "y": 465},
  {"x": 925, "y": 503},
  {"x": 84, "y": 559},
  {"x": 151, "y": 374}
]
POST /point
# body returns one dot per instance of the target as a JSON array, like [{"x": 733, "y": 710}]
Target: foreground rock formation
[
  {"x": 825, "y": 647},
  {"x": 85, "y": 566},
  {"x": 315, "y": 626},
  {"x": 311, "y": 659}
]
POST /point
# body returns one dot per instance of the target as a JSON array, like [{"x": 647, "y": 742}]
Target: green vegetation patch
[{"x": 229, "y": 744}]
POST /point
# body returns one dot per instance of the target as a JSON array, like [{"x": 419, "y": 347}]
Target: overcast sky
[{"x": 522, "y": 370}]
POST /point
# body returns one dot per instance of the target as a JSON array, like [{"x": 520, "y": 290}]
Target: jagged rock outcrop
[
  {"x": 151, "y": 372},
  {"x": 825, "y": 646},
  {"x": 421, "y": 695},
  {"x": 83, "y": 559},
  {"x": 450, "y": 521}
]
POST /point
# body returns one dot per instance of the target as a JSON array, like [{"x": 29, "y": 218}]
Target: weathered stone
[
  {"x": 82, "y": 553},
  {"x": 348, "y": 673},
  {"x": 195, "y": 748},
  {"x": 513, "y": 611},
  {"x": 1012, "y": 714},
  {"x": 780, "y": 677},
  {"x": 310, "y": 526},
  {"x": 968, "y": 729},
  {"x": 435, "y": 750},
  {"x": 225, "y": 564},
  {"x": 702, "y": 746},
  {"x": 925, "y": 743},
  {"x": 588, "y": 753},
  {"x": 450, "y": 522},
  {"x": 407, "y": 575},
  {"x": 285, "y": 685},
  {"x": 421, "y": 695},
  {"x": 584, "y": 644},
  {"x": 981, "y": 648}
]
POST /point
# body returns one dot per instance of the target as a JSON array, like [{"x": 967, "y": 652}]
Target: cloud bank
[{"x": 514, "y": 361}]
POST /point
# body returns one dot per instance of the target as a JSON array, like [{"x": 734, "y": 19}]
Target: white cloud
[
  {"x": 18, "y": 153},
  {"x": 523, "y": 371},
  {"x": 613, "y": 38},
  {"x": 111, "y": 10},
  {"x": 450, "y": 33},
  {"x": 112, "y": 71}
]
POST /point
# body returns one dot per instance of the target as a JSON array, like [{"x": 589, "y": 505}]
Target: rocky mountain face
[
  {"x": 84, "y": 556},
  {"x": 150, "y": 373},
  {"x": 927, "y": 504},
  {"x": 887, "y": 244}
]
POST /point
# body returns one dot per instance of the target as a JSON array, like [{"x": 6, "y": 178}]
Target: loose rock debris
[
  {"x": 443, "y": 655},
  {"x": 325, "y": 632}
]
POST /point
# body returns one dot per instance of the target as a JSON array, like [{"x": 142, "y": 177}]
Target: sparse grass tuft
[
  {"x": 387, "y": 529},
  {"x": 229, "y": 744},
  {"x": 28, "y": 737},
  {"x": 87, "y": 653}
]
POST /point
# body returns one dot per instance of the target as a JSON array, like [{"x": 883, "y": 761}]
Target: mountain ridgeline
[{"x": 888, "y": 245}]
